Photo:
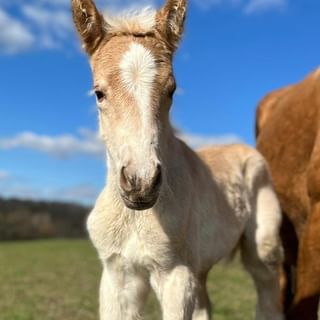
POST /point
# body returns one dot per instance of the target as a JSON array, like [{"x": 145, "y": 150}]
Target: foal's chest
[
  {"x": 136, "y": 249},
  {"x": 136, "y": 238}
]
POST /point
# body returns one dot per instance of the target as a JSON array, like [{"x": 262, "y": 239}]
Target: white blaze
[{"x": 138, "y": 71}]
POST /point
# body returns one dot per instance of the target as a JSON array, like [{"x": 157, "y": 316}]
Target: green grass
[{"x": 58, "y": 280}]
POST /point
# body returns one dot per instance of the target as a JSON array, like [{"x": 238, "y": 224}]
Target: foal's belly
[
  {"x": 219, "y": 245},
  {"x": 222, "y": 227}
]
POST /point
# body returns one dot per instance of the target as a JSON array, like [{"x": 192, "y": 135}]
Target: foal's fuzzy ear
[
  {"x": 170, "y": 21},
  {"x": 90, "y": 24}
]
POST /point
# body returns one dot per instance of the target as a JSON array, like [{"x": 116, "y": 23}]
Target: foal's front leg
[
  {"x": 176, "y": 291},
  {"x": 123, "y": 292},
  {"x": 202, "y": 310}
]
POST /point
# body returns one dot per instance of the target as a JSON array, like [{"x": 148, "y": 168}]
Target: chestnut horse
[
  {"x": 288, "y": 135},
  {"x": 168, "y": 214}
]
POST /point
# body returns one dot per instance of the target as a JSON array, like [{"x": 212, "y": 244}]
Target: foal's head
[{"x": 131, "y": 60}]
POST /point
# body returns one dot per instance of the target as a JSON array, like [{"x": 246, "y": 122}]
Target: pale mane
[{"x": 134, "y": 21}]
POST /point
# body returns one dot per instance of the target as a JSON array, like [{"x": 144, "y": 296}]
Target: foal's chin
[{"x": 140, "y": 204}]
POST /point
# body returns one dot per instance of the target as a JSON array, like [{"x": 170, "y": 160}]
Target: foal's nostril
[
  {"x": 132, "y": 184},
  {"x": 157, "y": 178},
  {"x": 126, "y": 182}
]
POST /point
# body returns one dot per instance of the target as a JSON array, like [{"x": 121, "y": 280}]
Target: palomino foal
[{"x": 168, "y": 214}]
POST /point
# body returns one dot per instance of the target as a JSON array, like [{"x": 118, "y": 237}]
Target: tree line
[{"x": 28, "y": 220}]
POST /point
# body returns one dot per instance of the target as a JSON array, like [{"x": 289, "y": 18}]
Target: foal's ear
[
  {"x": 170, "y": 21},
  {"x": 90, "y": 24}
]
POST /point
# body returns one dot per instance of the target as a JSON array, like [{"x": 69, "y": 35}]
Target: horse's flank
[{"x": 288, "y": 136}]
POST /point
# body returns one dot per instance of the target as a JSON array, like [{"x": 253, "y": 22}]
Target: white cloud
[
  {"x": 51, "y": 26},
  {"x": 34, "y": 25},
  {"x": 246, "y": 6},
  {"x": 208, "y": 4},
  {"x": 120, "y": 5},
  {"x": 4, "y": 175},
  {"x": 180, "y": 91},
  {"x": 14, "y": 36},
  {"x": 47, "y": 24},
  {"x": 87, "y": 142},
  {"x": 58, "y": 21},
  {"x": 56, "y": 2},
  {"x": 255, "y": 6},
  {"x": 63, "y": 146}
]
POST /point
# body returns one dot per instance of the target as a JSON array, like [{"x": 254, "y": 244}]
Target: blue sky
[{"x": 233, "y": 53}]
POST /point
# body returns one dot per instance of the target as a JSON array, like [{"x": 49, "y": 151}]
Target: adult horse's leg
[
  {"x": 305, "y": 305},
  {"x": 262, "y": 254},
  {"x": 288, "y": 272},
  {"x": 122, "y": 293},
  {"x": 202, "y": 310}
]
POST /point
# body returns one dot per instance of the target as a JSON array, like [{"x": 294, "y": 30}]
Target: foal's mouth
[{"x": 139, "y": 204}]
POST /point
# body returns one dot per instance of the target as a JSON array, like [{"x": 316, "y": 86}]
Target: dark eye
[
  {"x": 100, "y": 95},
  {"x": 172, "y": 90}
]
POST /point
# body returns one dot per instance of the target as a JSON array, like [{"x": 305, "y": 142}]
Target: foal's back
[{"x": 236, "y": 166}]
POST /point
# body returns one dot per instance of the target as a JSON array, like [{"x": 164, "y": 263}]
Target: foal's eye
[
  {"x": 172, "y": 90},
  {"x": 100, "y": 95}
]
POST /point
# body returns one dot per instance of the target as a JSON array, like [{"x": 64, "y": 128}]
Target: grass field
[{"x": 58, "y": 280}]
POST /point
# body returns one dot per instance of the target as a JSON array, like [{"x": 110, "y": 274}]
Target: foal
[{"x": 168, "y": 214}]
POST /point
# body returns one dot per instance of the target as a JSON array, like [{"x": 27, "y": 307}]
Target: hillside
[{"x": 27, "y": 220}]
